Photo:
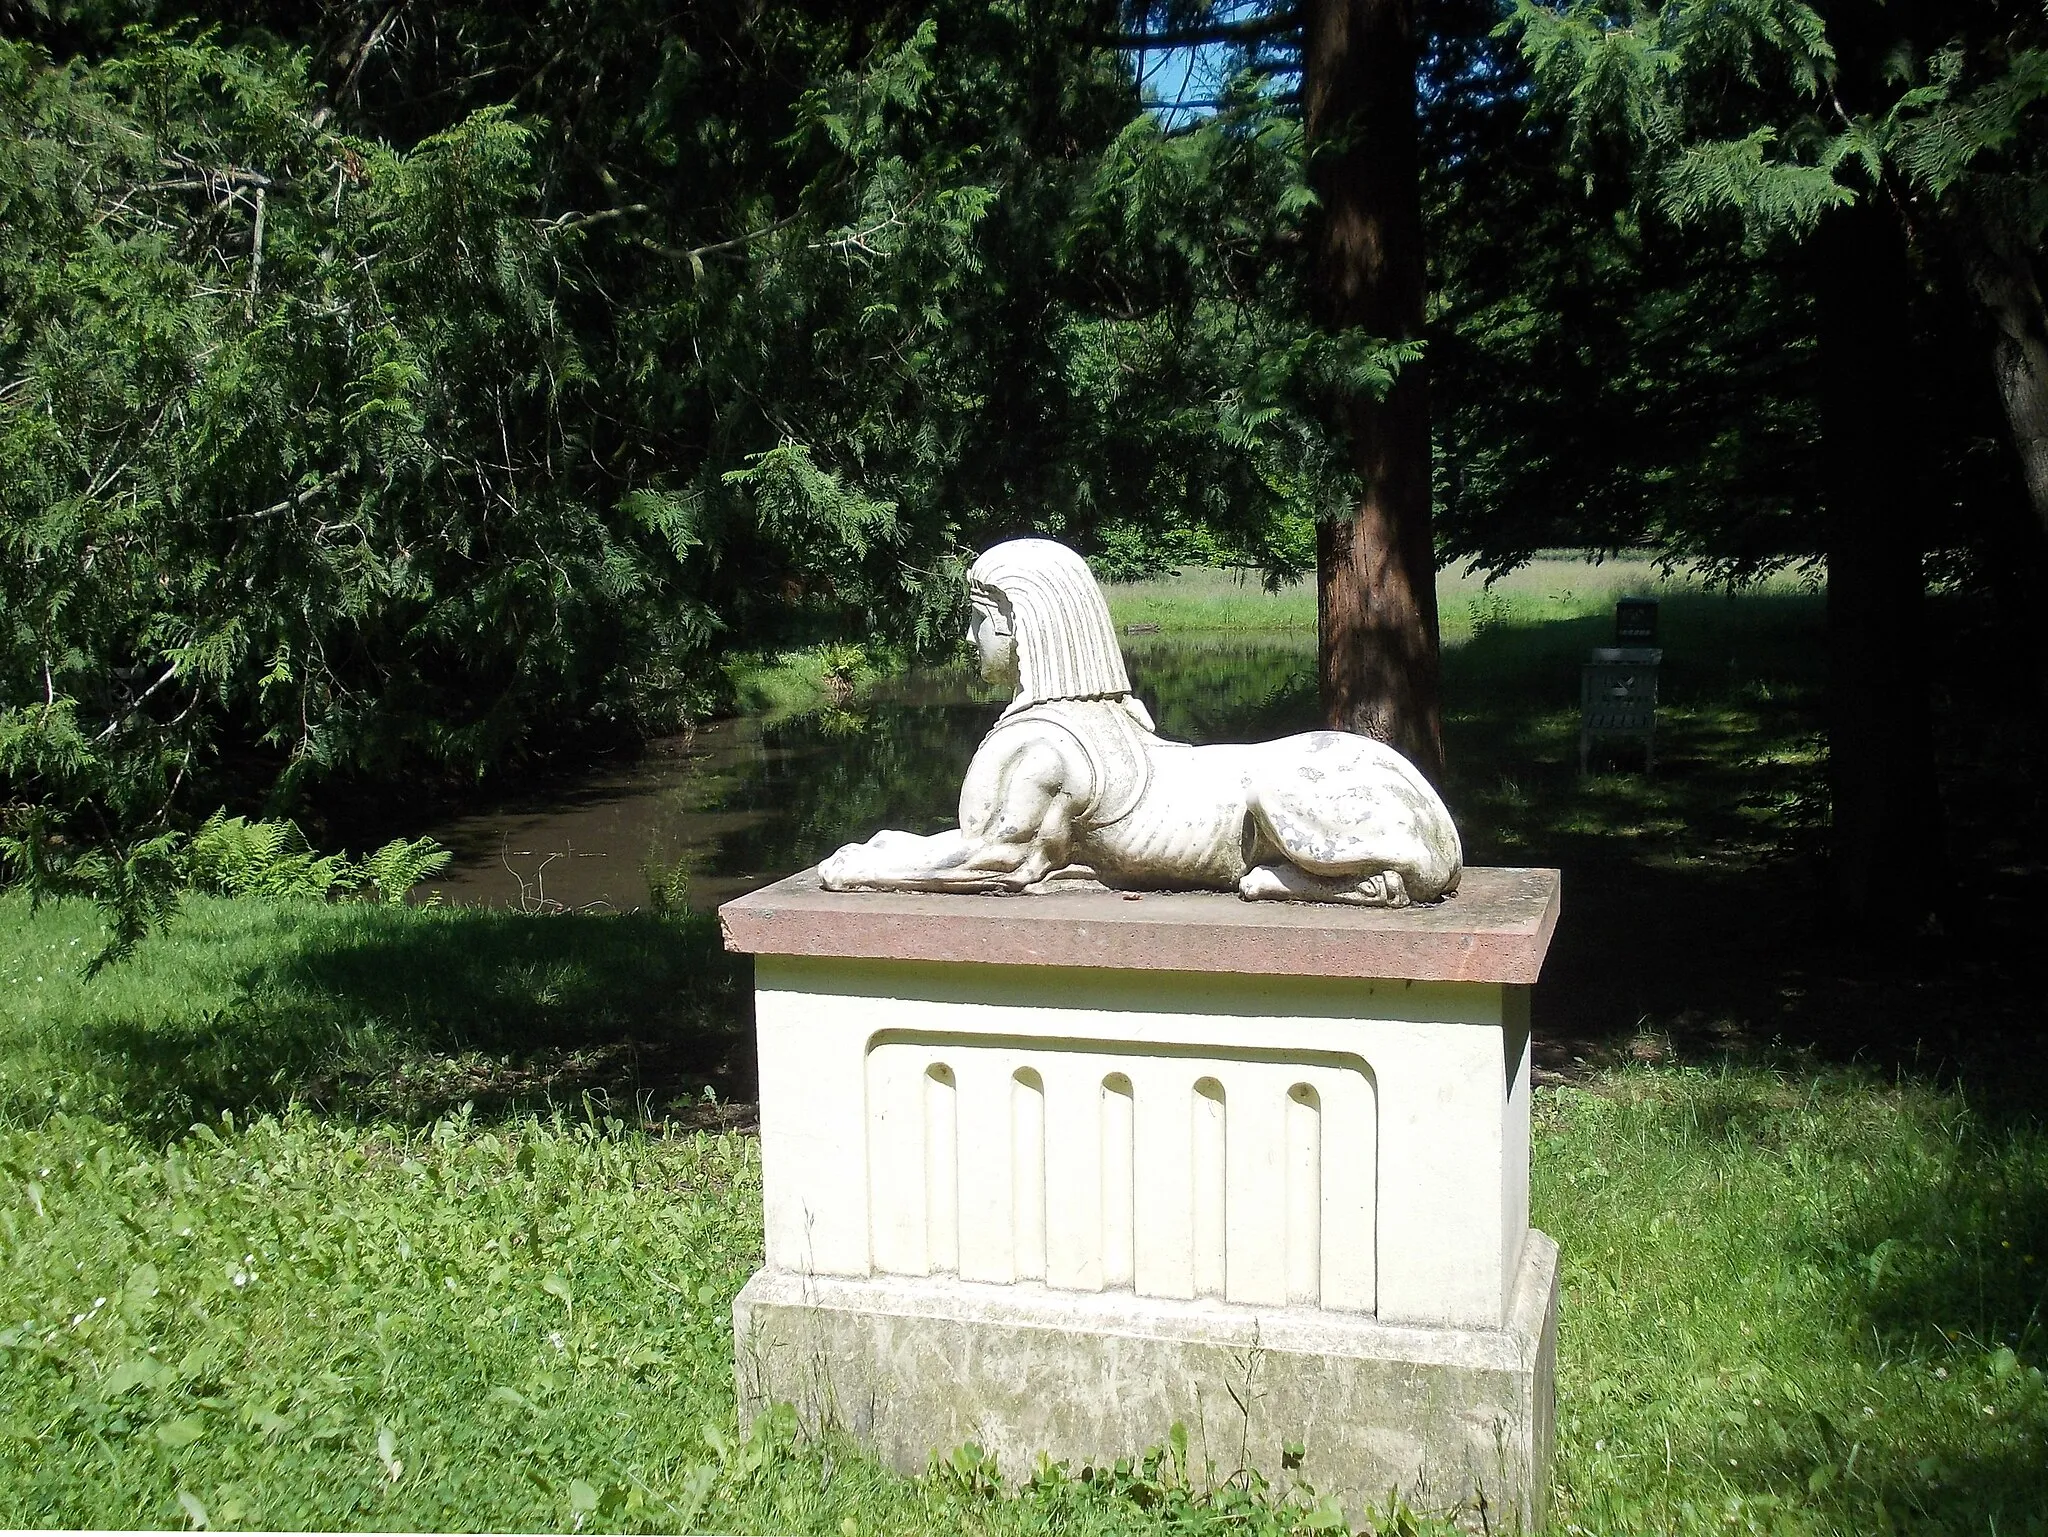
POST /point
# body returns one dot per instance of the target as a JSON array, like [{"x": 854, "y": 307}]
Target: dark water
[{"x": 742, "y": 802}]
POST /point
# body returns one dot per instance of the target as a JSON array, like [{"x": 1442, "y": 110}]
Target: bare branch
[
  {"x": 296, "y": 499},
  {"x": 696, "y": 254},
  {"x": 235, "y": 175},
  {"x": 212, "y": 182},
  {"x": 255, "y": 257},
  {"x": 361, "y": 57},
  {"x": 170, "y": 672},
  {"x": 1256, "y": 29},
  {"x": 569, "y": 221},
  {"x": 747, "y": 239},
  {"x": 1284, "y": 99}
]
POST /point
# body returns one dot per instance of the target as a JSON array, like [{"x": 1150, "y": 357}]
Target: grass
[
  {"x": 364, "y": 1011},
  {"x": 1793, "y": 1302},
  {"x": 1207, "y": 598},
  {"x": 303, "y": 1322},
  {"x": 797, "y": 682},
  {"x": 350, "y": 1216},
  {"x": 1544, "y": 590}
]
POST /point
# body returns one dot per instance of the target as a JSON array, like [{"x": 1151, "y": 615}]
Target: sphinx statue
[{"x": 1074, "y": 783}]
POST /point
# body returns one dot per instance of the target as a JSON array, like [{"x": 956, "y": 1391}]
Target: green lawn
[
  {"x": 1794, "y": 1301},
  {"x": 260, "y": 1266},
  {"x": 1549, "y": 588}
]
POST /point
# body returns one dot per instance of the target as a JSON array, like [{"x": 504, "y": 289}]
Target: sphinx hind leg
[
  {"x": 1318, "y": 848},
  {"x": 1291, "y": 883},
  {"x": 1352, "y": 813}
]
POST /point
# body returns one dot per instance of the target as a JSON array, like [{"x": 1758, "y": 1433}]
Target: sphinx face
[{"x": 995, "y": 644}]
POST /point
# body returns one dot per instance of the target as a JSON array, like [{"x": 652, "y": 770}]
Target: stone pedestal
[{"x": 1051, "y": 1173}]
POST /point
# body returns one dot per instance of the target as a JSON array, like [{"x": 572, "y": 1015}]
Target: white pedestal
[{"x": 1100, "y": 1149}]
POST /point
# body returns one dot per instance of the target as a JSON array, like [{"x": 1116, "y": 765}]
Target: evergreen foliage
[
  {"x": 395, "y": 395},
  {"x": 1741, "y": 107},
  {"x": 400, "y": 394}
]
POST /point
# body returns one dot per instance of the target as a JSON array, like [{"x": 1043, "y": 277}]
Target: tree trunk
[
  {"x": 2004, "y": 283},
  {"x": 1376, "y": 570},
  {"x": 1888, "y": 868}
]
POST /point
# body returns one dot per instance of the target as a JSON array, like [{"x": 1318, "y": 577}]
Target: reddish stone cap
[{"x": 1496, "y": 929}]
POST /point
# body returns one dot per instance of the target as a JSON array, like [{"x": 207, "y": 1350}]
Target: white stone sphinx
[{"x": 1073, "y": 782}]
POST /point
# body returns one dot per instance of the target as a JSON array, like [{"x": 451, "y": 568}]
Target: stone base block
[{"x": 1449, "y": 1417}]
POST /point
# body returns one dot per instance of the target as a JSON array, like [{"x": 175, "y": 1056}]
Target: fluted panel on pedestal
[{"x": 1011, "y": 1159}]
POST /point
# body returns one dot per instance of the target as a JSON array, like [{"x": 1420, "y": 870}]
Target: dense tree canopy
[
  {"x": 392, "y": 390},
  {"x": 1892, "y": 158}
]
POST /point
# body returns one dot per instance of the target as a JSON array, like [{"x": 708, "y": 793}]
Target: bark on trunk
[
  {"x": 1375, "y": 571},
  {"x": 2004, "y": 283},
  {"x": 1888, "y": 867}
]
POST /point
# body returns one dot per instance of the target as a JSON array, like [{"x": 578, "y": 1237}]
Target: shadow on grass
[
  {"x": 1694, "y": 929},
  {"x": 1956, "y": 1276},
  {"x": 1959, "y": 1260},
  {"x": 1694, "y": 908},
  {"x": 375, "y": 1012},
  {"x": 1799, "y": 1301},
  {"x": 1943, "y": 1268}
]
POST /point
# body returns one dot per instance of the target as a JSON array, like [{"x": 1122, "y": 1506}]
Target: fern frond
[{"x": 398, "y": 866}]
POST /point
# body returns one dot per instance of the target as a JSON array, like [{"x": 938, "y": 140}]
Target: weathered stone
[
  {"x": 1073, "y": 781},
  {"x": 1057, "y": 1182},
  {"x": 1495, "y": 930},
  {"x": 1457, "y": 1421}
]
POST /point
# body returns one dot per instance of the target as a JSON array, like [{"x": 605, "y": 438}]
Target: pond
[{"x": 741, "y": 802}]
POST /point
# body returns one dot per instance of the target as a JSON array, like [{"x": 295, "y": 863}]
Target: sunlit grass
[
  {"x": 1797, "y": 1299},
  {"x": 1798, "y": 1302},
  {"x": 1793, "y": 1302},
  {"x": 1206, "y": 598},
  {"x": 304, "y": 1323},
  {"x": 1550, "y": 588}
]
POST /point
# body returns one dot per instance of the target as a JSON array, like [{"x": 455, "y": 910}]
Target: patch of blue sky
[{"x": 1185, "y": 83}]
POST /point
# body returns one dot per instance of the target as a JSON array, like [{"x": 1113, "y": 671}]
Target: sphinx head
[{"x": 1039, "y": 622}]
